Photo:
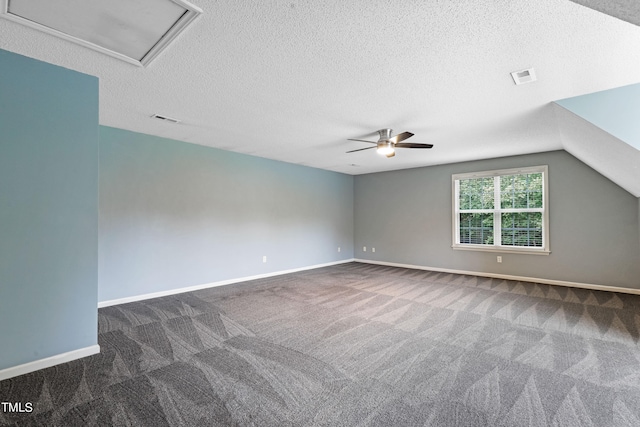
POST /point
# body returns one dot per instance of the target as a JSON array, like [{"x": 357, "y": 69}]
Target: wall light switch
[
  {"x": 364, "y": 249},
  {"x": 373, "y": 249},
  {"x": 264, "y": 258},
  {"x": 338, "y": 248}
]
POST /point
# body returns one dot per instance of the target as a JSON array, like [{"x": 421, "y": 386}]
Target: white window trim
[{"x": 544, "y": 250}]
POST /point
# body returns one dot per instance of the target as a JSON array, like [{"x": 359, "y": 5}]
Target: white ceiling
[{"x": 292, "y": 80}]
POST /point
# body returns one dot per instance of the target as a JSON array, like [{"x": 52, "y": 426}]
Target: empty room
[{"x": 293, "y": 213}]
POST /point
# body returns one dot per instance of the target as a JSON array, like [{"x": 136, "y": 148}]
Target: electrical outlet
[
  {"x": 499, "y": 258},
  {"x": 364, "y": 249},
  {"x": 264, "y": 258},
  {"x": 373, "y": 249}
]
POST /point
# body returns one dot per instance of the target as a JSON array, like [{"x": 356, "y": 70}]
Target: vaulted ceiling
[{"x": 293, "y": 80}]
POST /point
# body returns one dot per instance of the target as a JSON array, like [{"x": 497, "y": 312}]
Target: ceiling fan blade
[
  {"x": 362, "y": 140},
  {"x": 401, "y": 137},
  {"x": 360, "y": 149},
  {"x": 413, "y": 145}
]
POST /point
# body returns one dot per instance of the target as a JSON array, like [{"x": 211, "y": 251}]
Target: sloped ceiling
[
  {"x": 612, "y": 157},
  {"x": 602, "y": 128},
  {"x": 616, "y": 111},
  {"x": 627, "y": 10},
  {"x": 292, "y": 80}
]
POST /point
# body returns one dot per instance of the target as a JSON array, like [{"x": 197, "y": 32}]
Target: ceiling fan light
[{"x": 385, "y": 148}]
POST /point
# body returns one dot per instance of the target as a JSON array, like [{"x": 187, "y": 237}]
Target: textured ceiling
[{"x": 292, "y": 80}]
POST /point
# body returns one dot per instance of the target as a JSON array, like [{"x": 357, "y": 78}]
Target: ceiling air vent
[
  {"x": 524, "y": 76},
  {"x": 135, "y": 31},
  {"x": 165, "y": 118}
]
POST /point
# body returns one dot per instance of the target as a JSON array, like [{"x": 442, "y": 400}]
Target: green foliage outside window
[
  {"x": 521, "y": 191},
  {"x": 476, "y": 193},
  {"x": 522, "y": 229},
  {"x": 476, "y": 228},
  {"x": 518, "y": 191}
]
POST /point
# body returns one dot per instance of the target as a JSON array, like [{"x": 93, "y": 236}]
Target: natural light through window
[{"x": 502, "y": 210}]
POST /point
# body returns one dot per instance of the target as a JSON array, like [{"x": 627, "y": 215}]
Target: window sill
[{"x": 501, "y": 249}]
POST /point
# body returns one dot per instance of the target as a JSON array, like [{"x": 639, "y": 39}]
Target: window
[{"x": 504, "y": 210}]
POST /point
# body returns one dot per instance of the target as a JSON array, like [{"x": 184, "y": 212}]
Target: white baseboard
[
  {"x": 366, "y": 261},
  {"x": 48, "y": 362},
  {"x": 509, "y": 277},
  {"x": 125, "y": 300}
]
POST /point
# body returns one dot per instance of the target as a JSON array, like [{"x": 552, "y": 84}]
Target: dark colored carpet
[{"x": 352, "y": 345}]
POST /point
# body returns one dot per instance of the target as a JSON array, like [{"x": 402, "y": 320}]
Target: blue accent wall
[
  {"x": 175, "y": 215},
  {"x": 48, "y": 210}
]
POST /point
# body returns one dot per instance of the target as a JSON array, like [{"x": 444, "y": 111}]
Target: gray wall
[
  {"x": 407, "y": 216},
  {"x": 174, "y": 215},
  {"x": 48, "y": 210}
]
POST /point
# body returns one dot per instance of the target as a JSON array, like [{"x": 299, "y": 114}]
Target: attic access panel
[{"x": 135, "y": 31}]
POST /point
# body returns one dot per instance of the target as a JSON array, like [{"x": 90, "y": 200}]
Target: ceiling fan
[{"x": 387, "y": 144}]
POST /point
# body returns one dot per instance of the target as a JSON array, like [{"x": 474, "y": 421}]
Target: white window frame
[{"x": 497, "y": 211}]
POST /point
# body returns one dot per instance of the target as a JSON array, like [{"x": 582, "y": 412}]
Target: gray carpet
[{"x": 352, "y": 345}]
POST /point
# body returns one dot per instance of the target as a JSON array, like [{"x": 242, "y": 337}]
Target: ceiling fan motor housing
[{"x": 385, "y": 134}]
